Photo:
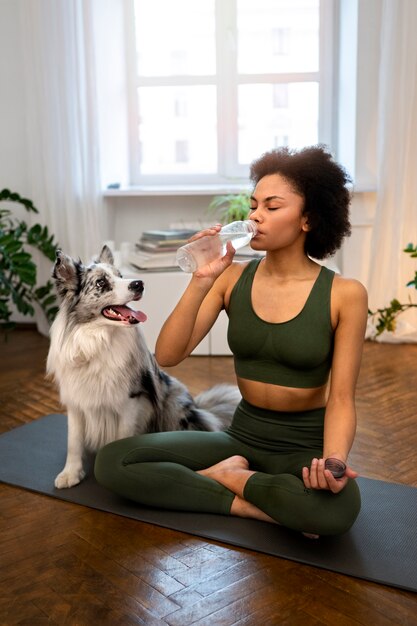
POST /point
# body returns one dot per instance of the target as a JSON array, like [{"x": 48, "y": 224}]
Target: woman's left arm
[{"x": 350, "y": 308}]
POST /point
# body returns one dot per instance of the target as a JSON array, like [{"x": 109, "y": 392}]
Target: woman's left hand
[{"x": 317, "y": 477}]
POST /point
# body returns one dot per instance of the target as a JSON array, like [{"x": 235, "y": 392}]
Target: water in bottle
[{"x": 202, "y": 251}]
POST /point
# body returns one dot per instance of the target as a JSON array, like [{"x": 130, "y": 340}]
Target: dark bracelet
[{"x": 336, "y": 467}]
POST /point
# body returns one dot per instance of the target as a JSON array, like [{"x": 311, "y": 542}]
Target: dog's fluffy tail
[{"x": 217, "y": 405}]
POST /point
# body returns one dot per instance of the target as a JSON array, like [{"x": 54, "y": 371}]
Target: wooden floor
[{"x": 62, "y": 563}]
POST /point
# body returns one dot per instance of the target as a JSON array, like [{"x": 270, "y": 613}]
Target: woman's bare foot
[
  {"x": 230, "y": 464},
  {"x": 232, "y": 473}
]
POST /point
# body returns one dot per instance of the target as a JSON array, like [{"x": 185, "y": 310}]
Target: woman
[{"x": 291, "y": 322}]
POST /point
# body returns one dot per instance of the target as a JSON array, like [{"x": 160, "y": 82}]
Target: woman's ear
[{"x": 305, "y": 226}]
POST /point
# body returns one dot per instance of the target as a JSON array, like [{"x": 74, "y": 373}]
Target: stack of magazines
[{"x": 156, "y": 249}]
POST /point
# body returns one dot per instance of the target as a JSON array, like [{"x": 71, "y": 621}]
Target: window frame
[{"x": 226, "y": 81}]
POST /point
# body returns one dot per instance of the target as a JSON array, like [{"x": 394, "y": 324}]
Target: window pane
[
  {"x": 175, "y": 38},
  {"x": 289, "y": 116},
  {"x": 177, "y": 130},
  {"x": 278, "y": 36}
]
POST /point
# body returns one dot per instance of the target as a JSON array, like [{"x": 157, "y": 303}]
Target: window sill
[{"x": 176, "y": 190}]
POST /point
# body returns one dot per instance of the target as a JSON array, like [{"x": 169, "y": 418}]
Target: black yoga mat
[{"x": 381, "y": 546}]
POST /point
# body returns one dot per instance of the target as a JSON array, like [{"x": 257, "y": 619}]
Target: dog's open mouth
[{"x": 124, "y": 314}]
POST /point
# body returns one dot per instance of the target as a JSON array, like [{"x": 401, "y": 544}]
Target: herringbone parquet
[{"x": 66, "y": 564}]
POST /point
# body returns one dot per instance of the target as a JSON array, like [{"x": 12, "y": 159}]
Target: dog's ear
[
  {"x": 66, "y": 272},
  {"x": 106, "y": 256}
]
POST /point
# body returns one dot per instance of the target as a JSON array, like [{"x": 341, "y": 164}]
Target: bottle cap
[{"x": 336, "y": 467}]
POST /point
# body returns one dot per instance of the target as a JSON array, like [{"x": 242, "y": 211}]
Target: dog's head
[{"x": 97, "y": 291}]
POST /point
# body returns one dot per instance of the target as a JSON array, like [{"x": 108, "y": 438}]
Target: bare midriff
[{"x": 278, "y": 398}]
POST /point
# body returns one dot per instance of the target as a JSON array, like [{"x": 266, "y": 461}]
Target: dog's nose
[{"x": 136, "y": 286}]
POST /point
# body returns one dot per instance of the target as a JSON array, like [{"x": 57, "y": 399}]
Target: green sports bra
[{"x": 296, "y": 353}]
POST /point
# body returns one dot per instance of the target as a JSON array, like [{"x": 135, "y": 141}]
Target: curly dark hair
[{"x": 316, "y": 176}]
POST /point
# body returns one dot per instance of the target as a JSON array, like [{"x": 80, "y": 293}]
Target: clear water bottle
[{"x": 202, "y": 251}]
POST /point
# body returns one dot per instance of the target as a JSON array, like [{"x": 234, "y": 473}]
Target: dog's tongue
[{"x": 124, "y": 314}]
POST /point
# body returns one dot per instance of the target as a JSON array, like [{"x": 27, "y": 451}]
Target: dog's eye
[{"x": 100, "y": 283}]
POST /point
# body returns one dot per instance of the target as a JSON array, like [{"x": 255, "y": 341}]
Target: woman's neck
[{"x": 280, "y": 263}]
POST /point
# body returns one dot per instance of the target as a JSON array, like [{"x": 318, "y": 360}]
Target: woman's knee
[
  {"x": 108, "y": 460},
  {"x": 112, "y": 459},
  {"x": 344, "y": 515}
]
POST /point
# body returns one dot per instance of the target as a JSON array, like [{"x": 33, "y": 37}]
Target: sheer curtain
[
  {"x": 395, "y": 222},
  {"x": 62, "y": 125}
]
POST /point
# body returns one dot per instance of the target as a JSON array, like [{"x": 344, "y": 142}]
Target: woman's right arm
[{"x": 195, "y": 313}]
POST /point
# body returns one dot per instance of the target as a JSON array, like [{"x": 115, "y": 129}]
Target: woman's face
[{"x": 277, "y": 210}]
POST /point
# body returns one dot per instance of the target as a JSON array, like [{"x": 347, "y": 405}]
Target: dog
[{"x": 109, "y": 381}]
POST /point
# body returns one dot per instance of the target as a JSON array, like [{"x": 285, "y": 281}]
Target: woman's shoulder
[
  {"x": 350, "y": 291},
  {"x": 352, "y": 285},
  {"x": 236, "y": 269}
]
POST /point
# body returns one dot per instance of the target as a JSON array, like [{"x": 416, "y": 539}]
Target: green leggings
[{"x": 159, "y": 470}]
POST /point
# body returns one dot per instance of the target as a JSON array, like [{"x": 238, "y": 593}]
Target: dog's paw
[{"x": 69, "y": 478}]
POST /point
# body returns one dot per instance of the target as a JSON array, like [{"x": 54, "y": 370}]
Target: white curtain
[
  {"x": 60, "y": 92},
  {"x": 395, "y": 222}
]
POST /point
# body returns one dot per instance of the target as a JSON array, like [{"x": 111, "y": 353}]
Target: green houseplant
[
  {"x": 18, "y": 272},
  {"x": 231, "y": 207},
  {"x": 386, "y": 318}
]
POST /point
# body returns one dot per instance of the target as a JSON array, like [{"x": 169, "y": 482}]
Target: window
[
  {"x": 281, "y": 38},
  {"x": 280, "y": 95},
  {"x": 181, "y": 151},
  {"x": 218, "y": 82}
]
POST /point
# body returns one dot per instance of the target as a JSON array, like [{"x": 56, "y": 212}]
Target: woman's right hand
[{"x": 215, "y": 268}]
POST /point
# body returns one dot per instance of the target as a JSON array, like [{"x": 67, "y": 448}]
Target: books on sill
[
  {"x": 168, "y": 245},
  {"x": 142, "y": 260},
  {"x": 171, "y": 234},
  {"x": 156, "y": 249},
  {"x": 164, "y": 240}
]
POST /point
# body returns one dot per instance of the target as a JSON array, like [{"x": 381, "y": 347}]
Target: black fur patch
[
  {"x": 192, "y": 421},
  {"x": 79, "y": 273},
  {"x": 146, "y": 385},
  {"x": 79, "y": 280},
  {"x": 164, "y": 377}
]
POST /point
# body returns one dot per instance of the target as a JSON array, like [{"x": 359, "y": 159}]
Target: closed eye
[{"x": 269, "y": 208}]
